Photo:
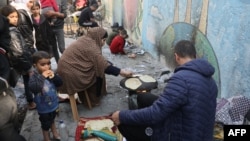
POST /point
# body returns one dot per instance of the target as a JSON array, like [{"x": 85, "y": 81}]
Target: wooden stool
[{"x": 74, "y": 106}]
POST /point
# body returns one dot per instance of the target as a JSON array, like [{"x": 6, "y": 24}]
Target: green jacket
[{"x": 111, "y": 37}]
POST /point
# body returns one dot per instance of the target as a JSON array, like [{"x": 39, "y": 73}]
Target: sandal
[
  {"x": 64, "y": 100},
  {"x": 58, "y": 138},
  {"x": 32, "y": 105}
]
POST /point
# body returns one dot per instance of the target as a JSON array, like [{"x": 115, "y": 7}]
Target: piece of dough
[
  {"x": 51, "y": 76},
  {"x": 147, "y": 79},
  {"x": 133, "y": 83}
]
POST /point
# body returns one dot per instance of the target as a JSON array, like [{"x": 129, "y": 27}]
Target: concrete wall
[{"x": 219, "y": 28}]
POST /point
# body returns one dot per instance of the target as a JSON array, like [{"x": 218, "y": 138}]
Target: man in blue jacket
[{"x": 185, "y": 111}]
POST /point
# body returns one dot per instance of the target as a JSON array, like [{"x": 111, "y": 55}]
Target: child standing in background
[
  {"x": 50, "y": 6},
  {"x": 19, "y": 54},
  {"x": 44, "y": 35},
  {"x": 43, "y": 83}
]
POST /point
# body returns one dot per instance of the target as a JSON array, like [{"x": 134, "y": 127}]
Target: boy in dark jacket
[
  {"x": 43, "y": 83},
  {"x": 185, "y": 111}
]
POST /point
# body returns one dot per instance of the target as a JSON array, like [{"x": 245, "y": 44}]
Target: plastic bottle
[{"x": 63, "y": 131}]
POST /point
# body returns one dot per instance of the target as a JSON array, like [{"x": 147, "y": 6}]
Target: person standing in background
[
  {"x": 58, "y": 27},
  {"x": 4, "y": 47},
  {"x": 50, "y": 5},
  {"x": 45, "y": 37},
  {"x": 8, "y": 106},
  {"x": 26, "y": 28},
  {"x": 25, "y": 23}
]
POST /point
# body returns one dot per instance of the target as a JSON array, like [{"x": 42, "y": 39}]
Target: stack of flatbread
[{"x": 100, "y": 124}]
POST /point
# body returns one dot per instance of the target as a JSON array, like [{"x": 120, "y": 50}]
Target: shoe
[
  {"x": 32, "y": 106},
  {"x": 63, "y": 100},
  {"x": 57, "y": 138}
]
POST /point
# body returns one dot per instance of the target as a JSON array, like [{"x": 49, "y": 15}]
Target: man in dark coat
[{"x": 185, "y": 111}]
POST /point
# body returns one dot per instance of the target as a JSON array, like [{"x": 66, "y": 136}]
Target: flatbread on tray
[
  {"x": 96, "y": 123},
  {"x": 99, "y": 124}
]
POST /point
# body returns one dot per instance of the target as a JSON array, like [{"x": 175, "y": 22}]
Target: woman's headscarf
[
  {"x": 21, "y": 1},
  {"x": 96, "y": 34},
  {"x": 20, "y": 4}
]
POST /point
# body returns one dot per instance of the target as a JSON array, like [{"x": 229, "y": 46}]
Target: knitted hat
[
  {"x": 115, "y": 25},
  {"x": 120, "y": 28},
  {"x": 21, "y": 1}
]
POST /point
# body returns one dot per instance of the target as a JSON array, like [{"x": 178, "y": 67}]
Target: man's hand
[
  {"x": 54, "y": 14},
  {"x": 115, "y": 118}
]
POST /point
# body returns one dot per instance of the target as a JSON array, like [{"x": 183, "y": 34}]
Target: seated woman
[{"x": 82, "y": 67}]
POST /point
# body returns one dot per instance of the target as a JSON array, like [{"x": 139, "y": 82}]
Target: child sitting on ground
[
  {"x": 116, "y": 29},
  {"x": 43, "y": 84},
  {"x": 117, "y": 45}
]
